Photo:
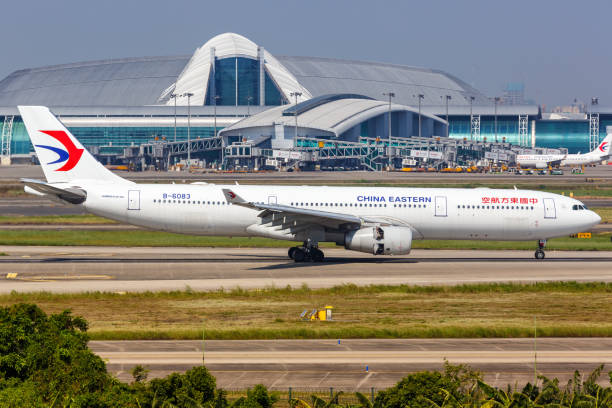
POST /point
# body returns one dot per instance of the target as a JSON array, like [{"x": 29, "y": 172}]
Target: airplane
[
  {"x": 374, "y": 220},
  {"x": 542, "y": 161}
]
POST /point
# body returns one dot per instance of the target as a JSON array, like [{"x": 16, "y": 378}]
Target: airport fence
[{"x": 345, "y": 396}]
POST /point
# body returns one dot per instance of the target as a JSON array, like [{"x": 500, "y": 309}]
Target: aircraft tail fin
[
  {"x": 62, "y": 157},
  {"x": 604, "y": 147}
]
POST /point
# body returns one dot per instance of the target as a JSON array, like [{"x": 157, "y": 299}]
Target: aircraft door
[
  {"x": 441, "y": 206},
  {"x": 549, "y": 208},
  {"x": 271, "y": 199},
  {"x": 134, "y": 200}
]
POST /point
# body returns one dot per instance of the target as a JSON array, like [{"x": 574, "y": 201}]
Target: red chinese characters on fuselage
[{"x": 509, "y": 200}]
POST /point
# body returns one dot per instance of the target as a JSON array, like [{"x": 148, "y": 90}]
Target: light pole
[
  {"x": 471, "y": 117},
  {"x": 173, "y": 96},
  {"x": 390, "y": 95},
  {"x": 188, "y": 95},
  {"x": 296, "y": 94},
  {"x": 448, "y": 98},
  {"x": 215, "y": 106},
  {"x": 421, "y": 96},
  {"x": 249, "y": 99},
  {"x": 216, "y": 98},
  {"x": 497, "y": 98}
]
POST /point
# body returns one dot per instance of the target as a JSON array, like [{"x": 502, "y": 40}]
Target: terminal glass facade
[
  {"x": 507, "y": 128},
  {"x": 236, "y": 83},
  {"x": 114, "y": 138},
  {"x": 571, "y": 134},
  {"x": 574, "y": 135}
]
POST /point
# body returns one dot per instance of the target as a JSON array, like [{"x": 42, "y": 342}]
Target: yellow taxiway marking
[{"x": 11, "y": 275}]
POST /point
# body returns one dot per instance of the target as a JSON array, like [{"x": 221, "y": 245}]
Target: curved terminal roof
[
  {"x": 194, "y": 78},
  {"x": 141, "y": 81},
  {"x": 324, "y": 75},
  {"x": 298, "y": 109},
  {"x": 118, "y": 82},
  {"x": 336, "y": 116}
]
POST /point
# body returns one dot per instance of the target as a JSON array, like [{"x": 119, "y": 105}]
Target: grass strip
[
  {"x": 55, "y": 220},
  {"x": 306, "y": 333},
  {"x": 143, "y": 238},
  {"x": 378, "y": 311}
]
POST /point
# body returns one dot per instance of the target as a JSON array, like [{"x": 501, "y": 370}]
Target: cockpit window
[{"x": 576, "y": 207}]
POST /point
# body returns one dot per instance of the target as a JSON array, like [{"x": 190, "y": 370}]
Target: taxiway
[
  {"x": 116, "y": 269},
  {"x": 356, "y": 364}
]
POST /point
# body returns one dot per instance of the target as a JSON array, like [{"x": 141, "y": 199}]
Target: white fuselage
[
  {"x": 542, "y": 161},
  {"x": 431, "y": 213}
]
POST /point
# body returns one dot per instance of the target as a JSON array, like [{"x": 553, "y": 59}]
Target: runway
[
  {"x": 356, "y": 364},
  {"x": 117, "y": 269}
]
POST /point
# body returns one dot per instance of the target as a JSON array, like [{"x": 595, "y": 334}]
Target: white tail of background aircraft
[
  {"x": 542, "y": 161},
  {"x": 375, "y": 220},
  {"x": 603, "y": 149}
]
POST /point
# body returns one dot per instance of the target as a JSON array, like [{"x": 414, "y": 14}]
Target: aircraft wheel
[
  {"x": 539, "y": 254},
  {"x": 291, "y": 252},
  {"x": 299, "y": 255},
  {"x": 317, "y": 255}
]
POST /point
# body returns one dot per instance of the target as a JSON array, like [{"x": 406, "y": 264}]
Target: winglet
[{"x": 232, "y": 197}]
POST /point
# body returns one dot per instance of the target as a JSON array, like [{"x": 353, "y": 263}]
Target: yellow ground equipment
[
  {"x": 317, "y": 314},
  {"x": 582, "y": 235}
]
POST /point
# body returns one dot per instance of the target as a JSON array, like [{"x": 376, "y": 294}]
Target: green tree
[
  {"x": 257, "y": 397},
  {"x": 49, "y": 352},
  {"x": 426, "y": 389}
]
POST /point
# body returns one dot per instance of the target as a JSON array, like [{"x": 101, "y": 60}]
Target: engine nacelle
[
  {"x": 380, "y": 240},
  {"x": 541, "y": 165}
]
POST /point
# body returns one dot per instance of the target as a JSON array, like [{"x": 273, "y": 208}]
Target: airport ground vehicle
[{"x": 376, "y": 220}]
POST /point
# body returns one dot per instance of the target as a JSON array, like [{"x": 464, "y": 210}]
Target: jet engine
[
  {"x": 541, "y": 165},
  {"x": 380, "y": 240}
]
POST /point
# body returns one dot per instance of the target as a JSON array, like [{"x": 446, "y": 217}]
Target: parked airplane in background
[
  {"x": 542, "y": 161},
  {"x": 380, "y": 221}
]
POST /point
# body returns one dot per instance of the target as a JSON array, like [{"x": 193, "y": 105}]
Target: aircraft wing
[
  {"x": 284, "y": 216},
  {"x": 70, "y": 194}
]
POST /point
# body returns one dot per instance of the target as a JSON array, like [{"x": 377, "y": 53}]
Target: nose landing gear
[
  {"x": 306, "y": 253},
  {"x": 539, "y": 253}
]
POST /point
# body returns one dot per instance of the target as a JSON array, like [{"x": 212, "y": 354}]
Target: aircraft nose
[{"x": 594, "y": 218}]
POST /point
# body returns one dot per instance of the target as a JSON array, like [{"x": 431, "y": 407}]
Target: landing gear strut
[
  {"x": 539, "y": 253},
  {"x": 307, "y": 252}
]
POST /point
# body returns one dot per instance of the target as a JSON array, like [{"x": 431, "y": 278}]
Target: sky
[{"x": 559, "y": 49}]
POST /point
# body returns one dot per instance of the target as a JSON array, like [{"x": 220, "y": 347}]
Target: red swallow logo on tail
[{"x": 70, "y": 156}]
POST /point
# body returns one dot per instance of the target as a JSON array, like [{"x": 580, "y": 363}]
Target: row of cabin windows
[
  {"x": 496, "y": 207},
  {"x": 296, "y": 204},
  {"x": 191, "y": 202},
  {"x": 354, "y": 205}
]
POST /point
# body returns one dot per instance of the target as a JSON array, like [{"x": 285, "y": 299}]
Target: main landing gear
[
  {"x": 307, "y": 253},
  {"x": 539, "y": 253}
]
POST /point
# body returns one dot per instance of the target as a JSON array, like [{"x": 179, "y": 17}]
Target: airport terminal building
[{"x": 233, "y": 92}]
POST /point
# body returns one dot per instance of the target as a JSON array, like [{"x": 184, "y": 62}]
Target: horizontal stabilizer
[{"x": 70, "y": 194}]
